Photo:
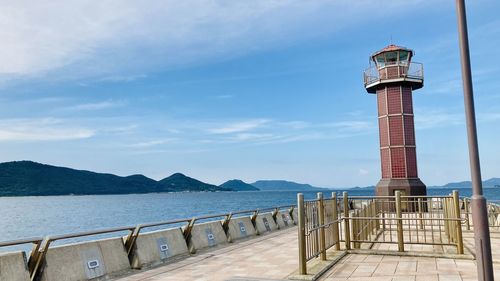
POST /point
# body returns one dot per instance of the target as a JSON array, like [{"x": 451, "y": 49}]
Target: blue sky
[{"x": 238, "y": 89}]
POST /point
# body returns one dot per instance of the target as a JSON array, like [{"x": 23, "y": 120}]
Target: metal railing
[
  {"x": 41, "y": 245},
  {"x": 373, "y": 74},
  {"x": 493, "y": 207},
  {"x": 363, "y": 221},
  {"x": 321, "y": 226}
]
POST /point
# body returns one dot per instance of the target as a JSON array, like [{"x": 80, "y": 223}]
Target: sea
[{"x": 39, "y": 216}]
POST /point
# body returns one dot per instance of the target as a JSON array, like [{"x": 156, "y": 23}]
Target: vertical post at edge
[
  {"x": 322, "y": 240},
  {"x": 346, "y": 221},
  {"x": 336, "y": 229},
  {"x": 302, "y": 234},
  {"x": 460, "y": 242},
  {"x": 478, "y": 201},
  {"x": 401, "y": 246}
]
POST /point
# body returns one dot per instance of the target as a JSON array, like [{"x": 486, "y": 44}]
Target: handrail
[
  {"x": 405, "y": 196},
  {"x": 21, "y": 241},
  {"x": 413, "y": 70},
  {"x": 87, "y": 233}
]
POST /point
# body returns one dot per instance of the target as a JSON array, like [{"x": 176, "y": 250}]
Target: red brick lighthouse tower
[{"x": 392, "y": 78}]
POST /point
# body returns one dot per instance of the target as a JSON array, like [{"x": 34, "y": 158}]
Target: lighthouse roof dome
[{"x": 392, "y": 48}]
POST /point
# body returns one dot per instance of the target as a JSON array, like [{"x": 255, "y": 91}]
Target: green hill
[
  {"x": 27, "y": 178},
  {"x": 180, "y": 182},
  {"x": 238, "y": 185}
]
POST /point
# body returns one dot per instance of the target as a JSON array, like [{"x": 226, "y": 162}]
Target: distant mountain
[
  {"x": 493, "y": 182},
  {"x": 363, "y": 187},
  {"x": 238, "y": 185},
  {"x": 27, "y": 178},
  {"x": 282, "y": 185},
  {"x": 180, "y": 182}
]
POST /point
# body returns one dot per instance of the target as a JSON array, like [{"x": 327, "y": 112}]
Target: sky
[{"x": 247, "y": 90}]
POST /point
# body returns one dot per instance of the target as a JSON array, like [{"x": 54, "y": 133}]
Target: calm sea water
[{"x": 23, "y": 217}]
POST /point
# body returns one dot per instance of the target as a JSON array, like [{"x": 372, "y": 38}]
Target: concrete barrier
[
  {"x": 295, "y": 215},
  {"x": 240, "y": 228},
  {"x": 94, "y": 260},
  {"x": 265, "y": 223},
  {"x": 205, "y": 235},
  {"x": 284, "y": 219},
  {"x": 13, "y": 267},
  {"x": 156, "y": 247}
]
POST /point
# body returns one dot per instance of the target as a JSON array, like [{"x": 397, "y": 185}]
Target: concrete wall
[
  {"x": 205, "y": 235},
  {"x": 13, "y": 267},
  {"x": 284, "y": 219},
  {"x": 265, "y": 223},
  {"x": 94, "y": 260},
  {"x": 240, "y": 228},
  {"x": 153, "y": 248}
]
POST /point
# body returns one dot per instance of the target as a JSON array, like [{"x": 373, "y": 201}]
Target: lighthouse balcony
[{"x": 412, "y": 74}]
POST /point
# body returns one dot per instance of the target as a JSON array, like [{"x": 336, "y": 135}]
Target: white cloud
[
  {"x": 45, "y": 129},
  {"x": 118, "y": 39},
  {"x": 150, "y": 143},
  {"x": 363, "y": 172},
  {"x": 96, "y": 105},
  {"x": 237, "y": 127}
]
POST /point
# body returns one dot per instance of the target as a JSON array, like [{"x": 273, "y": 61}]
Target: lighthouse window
[
  {"x": 391, "y": 57},
  {"x": 380, "y": 60},
  {"x": 403, "y": 57}
]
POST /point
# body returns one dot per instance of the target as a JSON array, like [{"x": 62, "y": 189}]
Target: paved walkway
[
  {"x": 395, "y": 268},
  {"x": 272, "y": 256}
]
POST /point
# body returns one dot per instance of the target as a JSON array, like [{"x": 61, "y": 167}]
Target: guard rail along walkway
[
  {"x": 380, "y": 223},
  {"x": 119, "y": 255}
]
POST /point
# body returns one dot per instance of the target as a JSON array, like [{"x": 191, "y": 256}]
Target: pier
[{"x": 341, "y": 237}]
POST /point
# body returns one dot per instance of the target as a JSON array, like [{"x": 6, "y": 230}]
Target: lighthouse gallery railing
[{"x": 414, "y": 70}]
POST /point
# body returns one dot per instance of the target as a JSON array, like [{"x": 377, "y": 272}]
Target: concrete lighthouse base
[{"x": 407, "y": 187}]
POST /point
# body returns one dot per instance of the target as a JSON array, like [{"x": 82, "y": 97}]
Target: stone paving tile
[
  {"x": 365, "y": 269},
  {"x": 386, "y": 269},
  {"x": 427, "y": 277},
  {"x": 406, "y": 267}
]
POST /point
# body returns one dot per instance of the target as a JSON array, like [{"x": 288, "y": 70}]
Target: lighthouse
[{"x": 392, "y": 77}]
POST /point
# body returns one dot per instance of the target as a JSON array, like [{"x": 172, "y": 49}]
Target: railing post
[
  {"x": 401, "y": 246},
  {"x": 34, "y": 256},
  {"x": 322, "y": 240},
  {"x": 290, "y": 213},
  {"x": 302, "y": 234},
  {"x": 375, "y": 216},
  {"x": 336, "y": 223},
  {"x": 460, "y": 242},
  {"x": 225, "y": 223},
  {"x": 466, "y": 211},
  {"x": 420, "y": 215},
  {"x": 354, "y": 229},
  {"x": 346, "y": 221},
  {"x": 383, "y": 219}
]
